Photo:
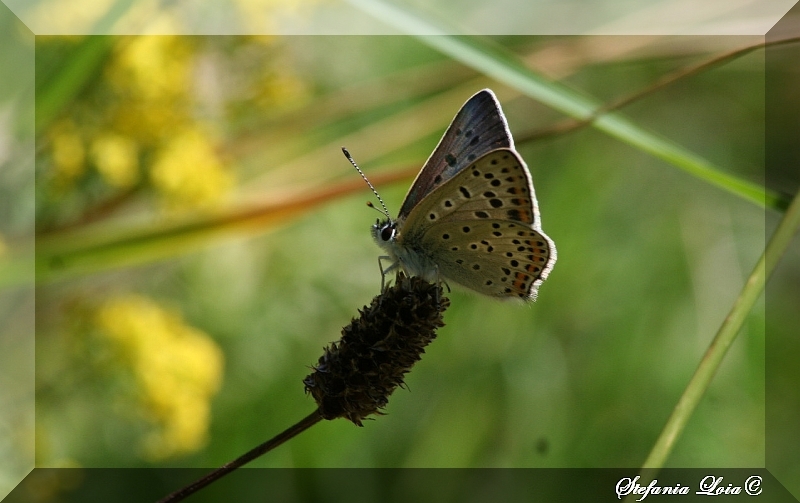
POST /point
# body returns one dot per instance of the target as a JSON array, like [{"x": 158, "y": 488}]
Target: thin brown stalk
[
  {"x": 569, "y": 125},
  {"x": 242, "y": 460}
]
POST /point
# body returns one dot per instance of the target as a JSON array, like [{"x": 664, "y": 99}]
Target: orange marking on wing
[{"x": 520, "y": 281}]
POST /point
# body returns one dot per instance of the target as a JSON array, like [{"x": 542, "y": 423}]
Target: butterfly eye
[{"x": 387, "y": 232}]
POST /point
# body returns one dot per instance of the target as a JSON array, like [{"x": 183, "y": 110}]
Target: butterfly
[{"x": 471, "y": 215}]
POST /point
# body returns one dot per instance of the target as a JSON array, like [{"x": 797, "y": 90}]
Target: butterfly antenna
[{"x": 350, "y": 158}]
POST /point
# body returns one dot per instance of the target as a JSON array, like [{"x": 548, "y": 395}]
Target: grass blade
[
  {"x": 504, "y": 66},
  {"x": 725, "y": 336}
]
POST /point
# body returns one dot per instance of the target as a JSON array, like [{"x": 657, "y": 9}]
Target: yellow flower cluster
[
  {"x": 151, "y": 78},
  {"x": 153, "y": 68},
  {"x": 116, "y": 158},
  {"x": 188, "y": 173},
  {"x": 146, "y": 122},
  {"x": 177, "y": 369}
]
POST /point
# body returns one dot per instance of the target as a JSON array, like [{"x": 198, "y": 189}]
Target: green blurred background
[{"x": 175, "y": 347}]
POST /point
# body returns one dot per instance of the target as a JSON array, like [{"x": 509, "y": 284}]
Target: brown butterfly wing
[{"x": 482, "y": 229}]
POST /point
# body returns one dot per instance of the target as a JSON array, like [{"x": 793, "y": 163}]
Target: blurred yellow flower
[
  {"x": 177, "y": 368},
  {"x": 147, "y": 122},
  {"x": 69, "y": 153},
  {"x": 153, "y": 66},
  {"x": 116, "y": 158},
  {"x": 152, "y": 77},
  {"x": 188, "y": 172}
]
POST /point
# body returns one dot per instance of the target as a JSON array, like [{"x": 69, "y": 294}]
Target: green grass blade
[
  {"x": 504, "y": 66},
  {"x": 725, "y": 336},
  {"x": 60, "y": 90},
  {"x": 99, "y": 248}
]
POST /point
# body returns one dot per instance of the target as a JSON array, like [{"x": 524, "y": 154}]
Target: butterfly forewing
[
  {"x": 483, "y": 226},
  {"x": 478, "y": 128}
]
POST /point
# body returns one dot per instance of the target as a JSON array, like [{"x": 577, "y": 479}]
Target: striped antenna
[{"x": 350, "y": 158}]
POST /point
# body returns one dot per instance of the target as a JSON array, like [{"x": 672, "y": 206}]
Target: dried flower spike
[{"x": 355, "y": 376}]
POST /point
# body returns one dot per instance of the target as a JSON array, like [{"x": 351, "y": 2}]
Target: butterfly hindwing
[
  {"x": 482, "y": 229},
  {"x": 510, "y": 265},
  {"x": 478, "y": 128}
]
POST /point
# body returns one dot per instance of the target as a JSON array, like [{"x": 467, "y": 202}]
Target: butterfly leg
[
  {"x": 385, "y": 271},
  {"x": 439, "y": 282}
]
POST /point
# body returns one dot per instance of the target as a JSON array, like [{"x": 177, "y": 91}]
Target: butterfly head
[{"x": 384, "y": 231}]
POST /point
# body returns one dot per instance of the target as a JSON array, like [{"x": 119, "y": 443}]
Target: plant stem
[
  {"x": 242, "y": 460},
  {"x": 725, "y": 336}
]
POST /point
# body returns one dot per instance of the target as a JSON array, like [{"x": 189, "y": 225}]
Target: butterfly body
[{"x": 471, "y": 215}]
